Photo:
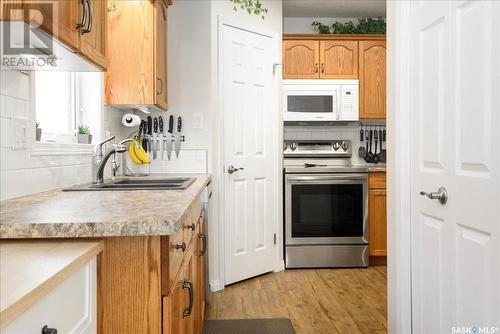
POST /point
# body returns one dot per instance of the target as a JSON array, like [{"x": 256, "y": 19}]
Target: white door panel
[
  {"x": 249, "y": 119},
  {"x": 455, "y": 81}
]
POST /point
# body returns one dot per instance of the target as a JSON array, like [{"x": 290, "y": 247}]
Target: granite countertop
[
  {"x": 373, "y": 167},
  {"x": 58, "y": 214}
]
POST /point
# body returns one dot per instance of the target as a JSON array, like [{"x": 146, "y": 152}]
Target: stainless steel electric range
[{"x": 326, "y": 205}]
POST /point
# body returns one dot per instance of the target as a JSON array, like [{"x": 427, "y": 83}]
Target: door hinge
[
  {"x": 275, "y": 65},
  {"x": 275, "y": 238}
]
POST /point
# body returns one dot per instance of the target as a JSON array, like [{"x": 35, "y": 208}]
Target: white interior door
[
  {"x": 249, "y": 117},
  {"x": 455, "y": 91}
]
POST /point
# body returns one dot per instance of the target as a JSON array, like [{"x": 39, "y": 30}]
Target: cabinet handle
[
  {"x": 47, "y": 330},
  {"x": 189, "y": 309},
  {"x": 182, "y": 246},
  {"x": 84, "y": 16},
  {"x": 160, "y": 91},
  {"x": 89, "y": 26},
  {"x": 317, "y": 68},
  {"x": 203, "y": 237},
  {"x": 190, "y": 227},
  {"x": 322, "y": 68}
]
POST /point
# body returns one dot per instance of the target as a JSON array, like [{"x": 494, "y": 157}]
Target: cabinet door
[
  {"x": 57, "y": 18},
  {"x": 93, "y": 42},
  {"x": 301, "y": 59},
  {"x": 161, "y": 55},
  {"x": 129, "y": 79},
  {"x": 173, "y": 309},
  {"x": 372, "y": 79},
  {"x": 378, "y": 222},
  {"x": 339, "y": 59},
  {"x": 190, "y": 277}
]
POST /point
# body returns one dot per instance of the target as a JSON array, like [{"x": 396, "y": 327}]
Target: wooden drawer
[
  {"x": 70, "y": 307},
  {"x": 192, "y": 221},
  {"x": 377, "y": 180},
  {"x": 173, "y": 248}
]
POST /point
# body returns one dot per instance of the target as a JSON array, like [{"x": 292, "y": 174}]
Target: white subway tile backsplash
[
  {"x": 15, "y": 84},
  {"x": 21, "y": 172}
]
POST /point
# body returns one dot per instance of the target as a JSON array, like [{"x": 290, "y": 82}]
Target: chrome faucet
[{"x": 99, "y": 159}]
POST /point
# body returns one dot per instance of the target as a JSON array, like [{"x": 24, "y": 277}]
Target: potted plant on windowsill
[{"x": 83, "y": 136}]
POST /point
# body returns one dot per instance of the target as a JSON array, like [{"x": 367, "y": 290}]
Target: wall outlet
[{"x": 197, "y": 121}]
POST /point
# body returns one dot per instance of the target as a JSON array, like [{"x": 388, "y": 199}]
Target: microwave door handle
[{"x": 339, "y": 105}]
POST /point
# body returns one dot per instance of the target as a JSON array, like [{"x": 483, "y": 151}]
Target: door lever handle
[
  {"x": 231, "y": 169},
  {"x": 441, "y": 195}
]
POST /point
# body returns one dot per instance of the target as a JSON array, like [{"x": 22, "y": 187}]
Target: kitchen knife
[
  {"x": 150, "y": 133},
  {"x": 169, "y": 136},
  {"x": 160, "y": 136},
  {"x": 144, "y": 136},
  {"x": 155, "y": 138},
  {"x": 178, "y": 136}
]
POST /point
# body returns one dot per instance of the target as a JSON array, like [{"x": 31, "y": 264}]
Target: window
[{"x": 65, "y": 100}]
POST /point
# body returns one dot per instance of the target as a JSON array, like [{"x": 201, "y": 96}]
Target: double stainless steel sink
[{"x": 179, "y": 183}]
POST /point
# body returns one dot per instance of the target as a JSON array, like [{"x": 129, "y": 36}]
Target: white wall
[{"x": 302, "y": 25}]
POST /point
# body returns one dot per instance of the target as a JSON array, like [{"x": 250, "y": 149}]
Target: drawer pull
[
  {"x": 47, "y": 330},
  {"x": 190, "y": 227},
  {"x": 203, "y": 237},
  {"x": 182, "y": 246},
  {"x": 189, "y": 309}
]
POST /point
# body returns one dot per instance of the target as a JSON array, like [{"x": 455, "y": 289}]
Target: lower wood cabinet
[
  {"x": 377, "y": 215},
  {"x": 154, "y": 284}
]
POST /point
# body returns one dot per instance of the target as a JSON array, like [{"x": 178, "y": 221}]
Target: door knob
[
  {"x": 441, "y": 195},
  {"x": 231, "y": 169}
]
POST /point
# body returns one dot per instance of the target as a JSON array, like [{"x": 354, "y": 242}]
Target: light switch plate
[{"x": 197, "y": 121}]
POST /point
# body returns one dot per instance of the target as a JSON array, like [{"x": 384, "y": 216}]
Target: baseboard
[
  {"x": 378, "y": 260},
  {"x": 280, "y": 266},
  {"x": 215, "y": 286}
]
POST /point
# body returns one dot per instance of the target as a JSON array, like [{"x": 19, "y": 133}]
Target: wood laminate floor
[{"x": 316, "y": 300}]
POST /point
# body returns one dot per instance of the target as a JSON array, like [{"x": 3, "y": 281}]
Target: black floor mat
[{"x": 249, "y": 326}]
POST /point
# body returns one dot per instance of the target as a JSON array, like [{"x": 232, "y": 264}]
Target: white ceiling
[{"x": 334, "y": 8}]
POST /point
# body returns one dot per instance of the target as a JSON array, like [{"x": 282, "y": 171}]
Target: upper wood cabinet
[
  {"x": 300, "y": 59},
  {"x": 137, "y": 47},
  {"x": 81, "y": 26},
  {"x": 310, "y": 59},
  {"x": 360, "y": 57},
  {"x": 372, "y": 79},
  {"x": 338, "y": 59},
  {"x": 93, "y": 43}
]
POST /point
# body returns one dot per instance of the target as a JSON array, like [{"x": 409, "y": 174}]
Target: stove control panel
[{"x": 317, "y": 148}]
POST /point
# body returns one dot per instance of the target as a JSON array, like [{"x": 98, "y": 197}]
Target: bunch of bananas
[{"x": 137, "y": 153}]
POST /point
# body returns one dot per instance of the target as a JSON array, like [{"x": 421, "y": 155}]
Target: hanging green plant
[
  {"x": 251, "y": 6},
  {"x": 364, "y": 26}
]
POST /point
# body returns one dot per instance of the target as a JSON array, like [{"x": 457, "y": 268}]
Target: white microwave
[{"x": 321, "y": 100}]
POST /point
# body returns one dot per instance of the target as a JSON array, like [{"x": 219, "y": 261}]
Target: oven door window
[
  {"x": 327, "y": 210},
  {"x": 310, "y": 103}
]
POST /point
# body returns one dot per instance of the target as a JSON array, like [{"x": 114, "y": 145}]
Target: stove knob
[
  {"x": 336, "y": 146},
  {"x": 293, "y": 146},
  {"x": 285, "y": 145},
  {"x": 345, "y": 146}
]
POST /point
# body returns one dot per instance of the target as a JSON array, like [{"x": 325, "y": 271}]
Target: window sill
[{"x": 47, "y": 148}]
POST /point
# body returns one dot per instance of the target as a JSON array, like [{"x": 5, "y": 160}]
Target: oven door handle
[{"x": 328, "y": 178}]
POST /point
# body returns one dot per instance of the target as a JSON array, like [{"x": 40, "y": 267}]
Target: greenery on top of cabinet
[{"x": 363, "y": 26}]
